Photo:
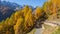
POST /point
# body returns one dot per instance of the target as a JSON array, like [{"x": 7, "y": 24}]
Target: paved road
[
  {"x": 51, "y": 23},
  {"x": 39, "y": 31}
]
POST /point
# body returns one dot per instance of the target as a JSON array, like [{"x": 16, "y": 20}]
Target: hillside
[
  {"x": 16, "y": 19},
  {"x": 7, "y": 8}
]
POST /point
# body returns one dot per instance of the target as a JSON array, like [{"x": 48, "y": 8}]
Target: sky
[{"x": 28, "y": 2}]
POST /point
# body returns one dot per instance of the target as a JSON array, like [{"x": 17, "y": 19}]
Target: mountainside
[
  {"x": 23, "y": 21},
  {"x": 7, "y": 8},
  {"x": 16, "y": 19}
]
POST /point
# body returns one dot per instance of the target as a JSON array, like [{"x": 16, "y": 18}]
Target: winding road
[{"x": 51, "y": 23}]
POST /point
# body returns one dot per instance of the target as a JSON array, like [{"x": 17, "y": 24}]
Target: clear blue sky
[{"x": 28, "y": 2}]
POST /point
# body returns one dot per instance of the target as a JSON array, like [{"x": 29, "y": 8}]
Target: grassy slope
[
  {"x": 49, "y": 29},
  {"x": 57, "y": 31}
]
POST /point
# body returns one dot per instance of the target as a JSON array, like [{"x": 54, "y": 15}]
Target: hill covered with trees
[{"x": 22, "y": 21}]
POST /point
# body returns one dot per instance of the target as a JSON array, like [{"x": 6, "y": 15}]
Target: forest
[{"x": 25, "y": 19}]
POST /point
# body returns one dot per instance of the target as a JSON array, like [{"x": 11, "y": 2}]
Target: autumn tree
[
  {"x": 29, "y": 21},
  {"x": 25, "y": 10},
  {"x": 40, "y": 16},
  {"x": 27, "y": 24},
  {"x": 18, "y": 27},
  {"x": 51, "y": 7},
  {"x": 37, "y": 12},
  {"x": 23, "y": 21}
]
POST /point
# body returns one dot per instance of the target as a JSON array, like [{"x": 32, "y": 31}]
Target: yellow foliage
[
  {"x": 37, "y": 12},
  {"x": 22, "y": 21},
  {"x": 16, "y": 15},
  {"x": 28, "y": 21},
  {"x": 25, "y": 10},
  {"x": 18, "y": 25}
]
